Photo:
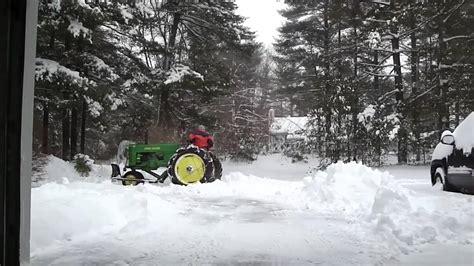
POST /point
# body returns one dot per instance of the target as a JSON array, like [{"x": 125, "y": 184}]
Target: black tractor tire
[
  {"x": 133, "y": 175},
  {"x": 208, "y": 171},
  {"x": 217, "y": 167}
]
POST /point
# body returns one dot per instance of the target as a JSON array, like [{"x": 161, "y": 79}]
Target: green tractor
[{"x": 184, "y": 165}]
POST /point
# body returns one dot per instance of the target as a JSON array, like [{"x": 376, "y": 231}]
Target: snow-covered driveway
[{"x": 262, "y": 213}]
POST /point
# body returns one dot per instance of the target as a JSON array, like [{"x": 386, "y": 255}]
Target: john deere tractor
[{"x": 184, "y": 165}]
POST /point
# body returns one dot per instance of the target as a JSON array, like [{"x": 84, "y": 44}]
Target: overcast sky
[{"x": 263, "y": 17}]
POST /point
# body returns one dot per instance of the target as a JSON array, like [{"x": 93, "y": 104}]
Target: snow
[
  {"x": 294, "y": 127},
  {"x": 55, "y": 5},
  {"x": 385, "y": 206},
  {"x": 94, "y": 107},
  {"x": 115, "y": 101},
  {"x": 46, "y": 69},
  {"x": 125, "y": 14},
  {"x": 374, "y": 39},
  {"x": 442, "y": 150},
  {"x": 178, "y": 72},
  {"x": 100, "y": 65},
  {"x": 456, "y": 37},
  {"x": 464, "y": 134},
  {"x": 382, "y": 2},
  {"x": 366, "y": 116},
  {"x": 77, "y": 29},
  {"x": 349, "y": 214},
  {"x": 305, "y": 17},
  {"x": 83, "y": 4},
  {"x": 145, "y": 8},
  {"x": 59, "y": 171},
  {"x": 393, "y": 133}
]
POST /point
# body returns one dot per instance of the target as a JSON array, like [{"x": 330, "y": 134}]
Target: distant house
[{"x": 287, "y": 132}]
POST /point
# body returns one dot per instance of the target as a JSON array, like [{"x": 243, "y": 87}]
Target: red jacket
[{"x": 200, "y": 138}]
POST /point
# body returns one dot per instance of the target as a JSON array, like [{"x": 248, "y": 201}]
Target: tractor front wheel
[{"x": 132, "y": 178}]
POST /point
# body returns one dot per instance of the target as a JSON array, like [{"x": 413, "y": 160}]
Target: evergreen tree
[{"x": 340, "y": 60}]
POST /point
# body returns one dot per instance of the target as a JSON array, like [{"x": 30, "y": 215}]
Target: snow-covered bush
[{"x": 83, "y": 164}]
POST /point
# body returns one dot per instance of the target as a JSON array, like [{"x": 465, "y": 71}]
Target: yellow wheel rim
[
  {"x": 189, "y": 168},
  {"x": 131, "y": 180}
]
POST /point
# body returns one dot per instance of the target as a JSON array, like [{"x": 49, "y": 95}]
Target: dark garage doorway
[{"x": 18, "y": 20}]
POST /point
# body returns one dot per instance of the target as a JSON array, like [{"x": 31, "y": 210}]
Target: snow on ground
[
  {"x": 267, "y": 212},
  {"x": 58, "y": 171}
]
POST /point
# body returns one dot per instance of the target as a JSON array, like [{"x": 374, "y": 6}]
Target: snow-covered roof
[
  {"x": 464, "y": 134},
  {"x": 292, "y": 126}
]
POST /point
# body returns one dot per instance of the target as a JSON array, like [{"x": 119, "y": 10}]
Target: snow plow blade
[
  {"x": 139, "y": 181},
  {"x": 115, "y": 171}
]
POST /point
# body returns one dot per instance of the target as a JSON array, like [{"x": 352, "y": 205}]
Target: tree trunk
[
  {"x": 457, "y": 111},
  {"x": 66, "y": 131},
  {"x": 65, "y": 113},
  {"x": 414, "y": 88},
  {"x": 402, "y": 132},
  {"x": 443, "y": 109},
  {"x": 355, "y": 109},
  {"x": 73, "y": 132},
  {"x": 45, "y": 130},
  {"x": 327, "y": 92},
  {"x": 83, "y": 126},
  {"x": 172, "y": 40},
  {"x": 377, "y": 92},
  {"x": 355, "y": 18},
  {"x": 164, "y": 113}
]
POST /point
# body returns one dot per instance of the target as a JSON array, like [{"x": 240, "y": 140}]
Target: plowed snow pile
[
  {"x": 362, "y": 214},
  {"x": 389, "y": 210}
]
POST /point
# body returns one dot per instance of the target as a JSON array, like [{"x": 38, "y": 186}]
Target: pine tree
[{"x": 344, "y": 59}]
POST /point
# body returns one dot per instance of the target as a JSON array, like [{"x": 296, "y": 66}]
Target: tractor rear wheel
[
  {"x": 133, "y": 178},
  {"x": 190, "y": 165}
]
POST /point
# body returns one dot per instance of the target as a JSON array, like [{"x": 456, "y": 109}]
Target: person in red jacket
[{"x": 201, "y": 138}]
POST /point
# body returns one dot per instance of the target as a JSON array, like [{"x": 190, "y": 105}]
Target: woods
[
  {"x": 374, "y": 77},
  {"x": 143, "y": 71},
  {"x": 377, "y": 76}
]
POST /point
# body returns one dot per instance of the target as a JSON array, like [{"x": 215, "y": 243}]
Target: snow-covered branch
[
  {"x": 458, "y": 37},
  {"x": 178, "y": 72}
]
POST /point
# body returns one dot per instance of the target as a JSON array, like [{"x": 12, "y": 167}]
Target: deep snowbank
[
  {"x": 64, "y": 212},
  {"x": 57, "y": 170},
  {"x": 73, "y": 208},
  {"x": 401, "y": 217}
]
